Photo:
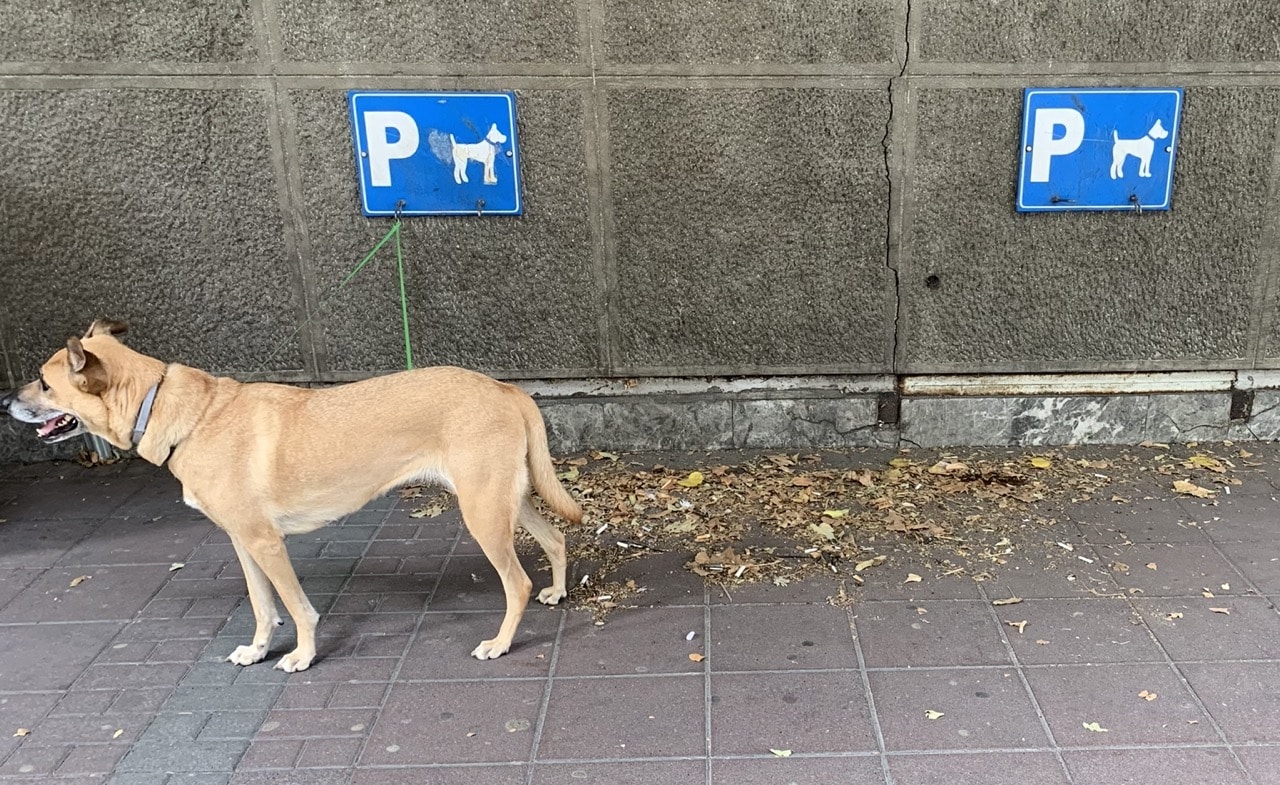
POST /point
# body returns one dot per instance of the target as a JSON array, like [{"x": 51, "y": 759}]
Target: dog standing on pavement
[{"x": 266, "y": 460}]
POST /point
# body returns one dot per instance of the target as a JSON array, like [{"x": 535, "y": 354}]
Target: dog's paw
[
  {"x": 550, "y": 595},
  {"x": 247, "y": 655},
  {"x": 294, "y": 661},
  {"x": 490, "y": 650}
]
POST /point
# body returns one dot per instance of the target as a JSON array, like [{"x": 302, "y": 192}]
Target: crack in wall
[{"x": 886, "y": 144}]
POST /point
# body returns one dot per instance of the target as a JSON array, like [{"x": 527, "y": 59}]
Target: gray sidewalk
[{"x": 120, "y": 678}]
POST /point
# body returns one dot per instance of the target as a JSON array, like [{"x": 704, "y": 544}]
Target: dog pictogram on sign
[{"x": 1077, "y": 146}]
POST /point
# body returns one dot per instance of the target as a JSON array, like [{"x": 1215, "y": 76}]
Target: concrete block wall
[{"x": 712, "y": 188}]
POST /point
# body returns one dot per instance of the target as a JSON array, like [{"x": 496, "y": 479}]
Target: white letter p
[
  {"x": 382, "y": 151},
  {"x": 1044, "y": 146}
]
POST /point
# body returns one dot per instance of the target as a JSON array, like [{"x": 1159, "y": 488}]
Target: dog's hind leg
[
  {"x": 266, "y": 546},
  {"x": 264, "y": 609},
  {"x": 552, "y": 542},
  {"x": 490, "y": 515}
]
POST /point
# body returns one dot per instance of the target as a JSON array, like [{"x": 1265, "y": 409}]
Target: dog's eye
[{"x": 43, "y": 387}]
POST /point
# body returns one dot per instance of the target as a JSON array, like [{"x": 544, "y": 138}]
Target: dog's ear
[
  {"x": 87, "y": 371},
  {"x": 106, "y": 327}
]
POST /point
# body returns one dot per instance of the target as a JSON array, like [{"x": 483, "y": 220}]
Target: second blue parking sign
[
  {"x": 436, "y": 153},
  {"x": 1098, "y": 148}
]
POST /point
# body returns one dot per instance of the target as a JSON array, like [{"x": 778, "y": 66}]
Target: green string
[
  {"x": 404, "y": 301},
  {"x": 393, "y": 232}
]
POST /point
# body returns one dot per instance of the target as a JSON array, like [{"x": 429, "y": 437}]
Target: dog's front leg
[
  {"x": 264, "y": 609},
  {"x": 266, "y": 548}
]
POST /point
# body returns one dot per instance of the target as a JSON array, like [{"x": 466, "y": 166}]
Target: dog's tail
[
  {"x": 541, "y": 471},
  {"x": 1115, "y": 136}
]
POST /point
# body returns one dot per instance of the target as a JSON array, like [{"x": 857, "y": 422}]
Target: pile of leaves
[{"x": 740, "y": 518}]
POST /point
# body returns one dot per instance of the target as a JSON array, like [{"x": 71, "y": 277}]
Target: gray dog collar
[{"x": 144, "y": 414}]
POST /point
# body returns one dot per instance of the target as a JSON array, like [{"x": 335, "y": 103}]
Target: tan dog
[{"x": 266, "y": 460}]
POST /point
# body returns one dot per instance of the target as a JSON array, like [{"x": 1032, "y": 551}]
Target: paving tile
[
  {"x": 78, "y": 495},
  {"x": 1241, "y": 697},
  {"x": 22, "y": 710},
  {"x": 1079, "y": 631},
  {"x": 988, "y": 768},
  {"x": 677, "y": 772},
  {"x": 1181, "y": 570},
  {"x": 91, "y": 760},
  {"x": 34, "y": 761},
  {"x": 139, "y": 541},
  {"x": 1251, "y": 631},
  {"x": 24, "y": 649},
  {"x": 1236, "y": 518},
  {"x": 1045, "y": 571},
  {"x": 808, "y": 591},
  {"x": 335, "y": 669},
  {"x": 270, "y": 754},
  {"x": 512, "y": 774},
  {"x": 89, "y": 729},
  {"x": 141, "y": 700},
  {"x": 232, "y": 725},
  {"x": 310, "y": 723},
  {"x": 32, "y": 544},
  {"x": 886, "y": 582},
  {"x": 430, "y": 723},
  {"x": 983, "y": 708},
  {"x": 762, "y": 637},
  {"x": 12, "y": 582},
  {"x": 628, "y": 716},
  {"x": 1165, "y": 766},
  {"x": 77, "y": 702},
  {"x": 1140, "y": 521},
  {"x": 159, "y": 495},
  {"x": 632, "y": 640},
  {"x": 897, "y": 635},
  {"x": 300, "y": 777},
  {"x": 182, "y": 756},
  {"x": 327, "y": 753},
  {"x": 863, "y": 770},
  {"x": 803, "y": 712},
  {"x": 470, "y": 583},
  {"x": 442, "y": 649},
  {"x": 109, "y": 593},
  {"x": 1262, "y": 763},
  {"x": 1071, "y": 696},
  {"x": 357, "y": 696},
  {"x": 382, "y": 645},
  {"x": 1260, "y": 565},
  {"x": 662, "y": 576}
]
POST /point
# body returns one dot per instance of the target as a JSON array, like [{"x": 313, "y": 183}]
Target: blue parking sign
[
  {"x": 436, "y": 153},
  {"x": 1098, "y": 148}
]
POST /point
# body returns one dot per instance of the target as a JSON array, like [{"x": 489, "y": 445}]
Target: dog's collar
[{"x": 144, "y": 413}]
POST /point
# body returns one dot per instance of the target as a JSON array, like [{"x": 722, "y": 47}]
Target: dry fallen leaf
[
  {"x": 1206, "y": 594},
  {"x": 1007, "y": 601},
  {"x": 1042, "y": 642},
  {"x": 933, "y": 715},
  {"x": 1119, "y": 566},
  {"x": 1205, "y": 462},
  {"x": 22, "y": 732},
  {"x": 176, "y": 566},
  {"x": 1041, "y": 462},
  {"x": 570, "y": 475},
  {"x": 835, "y": 513},
  {"x": 1095, "y": 727},
  {"x": 780, "y": 753},
  {"x": 869, "y": 563},
  {"x": 119, "y": 732},
  {"x": 913, "y": 578},
  {"x": 1191, "y": 489},
  {"x": 1174, "y": 615},
  {"x": 1019, "y": 625},
  {"x": 80, "y": 579},
  {"x": 823, "y": 530},
  {"x": 696, "y": 657},
  {"x": 1151, "y": 565},
  {"x": 1223, "y": 611},
  {"x": 1147, "y": 696}
]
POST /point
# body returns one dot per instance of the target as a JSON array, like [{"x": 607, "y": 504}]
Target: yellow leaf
[
  {"x": 692, "y": 481},
  {"x": 933, "y": 715},
  {"x": 835, "y": 513},
  {"x": 1191, "y": 489},
  {"x": 22, "y": 732},
  {"x": 80, "y": 579},
  {"x": 1147, "y": 696},
  {"x": 696, "y": 657},
  {"x": 780, "y": 753},
  {"x": 119, "y": 732},
  {"x": 1007, "y": 601},
  {"x": 1041, "y": 462},
  {"x": 1205, "y": 462},
  {"x": 900, "y": 463},
  {"x": 570, "y": 475},
  {"x": 1095, "y": 727},
  {"x": 823, "y": 530}
]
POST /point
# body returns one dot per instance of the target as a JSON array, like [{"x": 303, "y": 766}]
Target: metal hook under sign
[{"x": 1137, "y": 206}]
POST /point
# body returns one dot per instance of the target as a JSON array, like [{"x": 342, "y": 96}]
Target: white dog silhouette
[
  {"x": 1140, "y": 148},
  {"x": 482, "y": 151}
]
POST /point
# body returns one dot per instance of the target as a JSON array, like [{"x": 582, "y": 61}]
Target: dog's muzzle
[{"x": 52, "y": 425}]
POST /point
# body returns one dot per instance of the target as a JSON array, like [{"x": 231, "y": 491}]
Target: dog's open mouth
[{"x": 58, "y": 428}]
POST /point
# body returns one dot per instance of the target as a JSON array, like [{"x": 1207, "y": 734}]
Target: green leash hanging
[{"x": 392, "y": 234}]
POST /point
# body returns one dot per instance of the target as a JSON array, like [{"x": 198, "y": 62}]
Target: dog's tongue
[{"x": 49, "y": 425}]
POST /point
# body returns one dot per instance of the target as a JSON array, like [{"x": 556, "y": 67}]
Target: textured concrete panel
[
  {"x": 809, "y": 422},
  {"x": 158, "y": 207},
  {"x": 755, "y": 31},
  {"x": 1082, "y": 291},
  {"x": 493, "y": 293},
  {"x": 751, "y": 228},
  {"x": 1043, "y": 31},
  {"x": 365, "y": 31},
  {"x": 133, "y": 31}
]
